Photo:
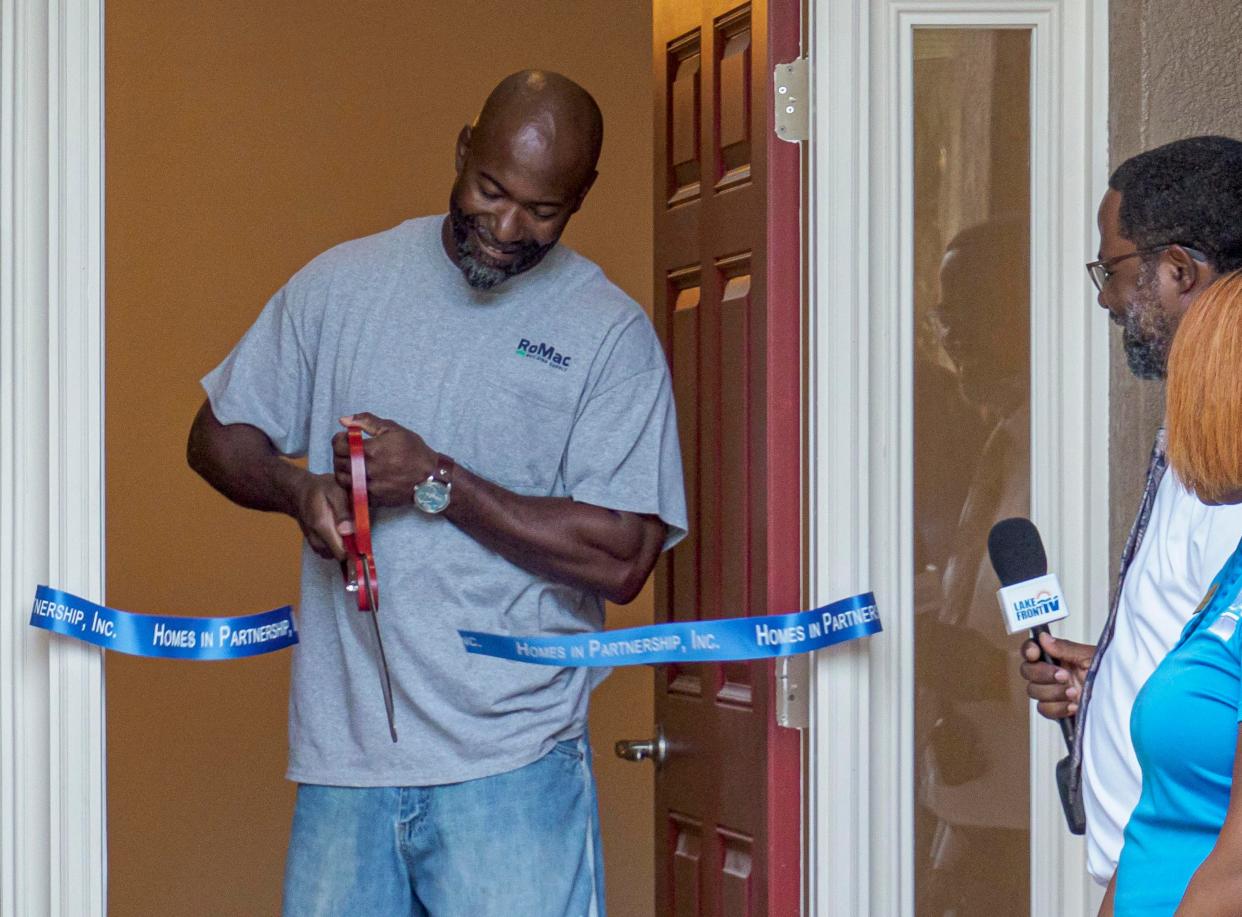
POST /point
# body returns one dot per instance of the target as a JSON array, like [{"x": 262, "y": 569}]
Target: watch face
[{"x": 431, "y": 496}]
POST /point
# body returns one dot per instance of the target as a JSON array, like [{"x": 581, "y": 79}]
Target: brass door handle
[{"x": 655, "y": 749}]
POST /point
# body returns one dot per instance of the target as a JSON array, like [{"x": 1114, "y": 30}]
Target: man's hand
[
  {"x": 323, "y": 512},
  {"x": 397, "y": 459},
  {"x": 240, "y": 461},
  {"x": 1056, "y": 688}
]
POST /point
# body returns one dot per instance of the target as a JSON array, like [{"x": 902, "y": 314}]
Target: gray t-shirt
[{"x": 552, "y": 384}]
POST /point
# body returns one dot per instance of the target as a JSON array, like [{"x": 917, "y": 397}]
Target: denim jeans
[{"x": 519, "y": 844}]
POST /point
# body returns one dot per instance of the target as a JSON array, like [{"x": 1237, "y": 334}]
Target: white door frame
[
  {"x": 52, "y": 823},
  {"x": 860, "y": 418}
]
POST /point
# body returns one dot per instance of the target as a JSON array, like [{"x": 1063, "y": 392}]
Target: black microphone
[{"x": 1031, "y": 597}]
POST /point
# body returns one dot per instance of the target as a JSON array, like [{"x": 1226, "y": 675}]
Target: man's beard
[
  {"x": 479, "y": 272},
  {"x": 1147, "y": 331}
]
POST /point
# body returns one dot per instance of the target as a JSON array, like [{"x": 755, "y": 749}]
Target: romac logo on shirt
[{"x": 544, "y": 353}]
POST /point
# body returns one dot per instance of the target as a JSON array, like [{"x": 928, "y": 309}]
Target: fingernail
[
  {"x": 1061, "y": 675},
  {"x": 1072, "y": 708},
  {"x": 1071, "y": 693}
]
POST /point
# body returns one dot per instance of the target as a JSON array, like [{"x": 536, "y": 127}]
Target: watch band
[{"x": 444, "y": 468}]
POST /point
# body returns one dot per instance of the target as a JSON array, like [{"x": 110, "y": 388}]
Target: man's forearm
[
  {"x": 590, "y": 547},
  {"x": 1106, "y": 905},
  {"x": 587, "y": 546},
  {"x": 239, "y": 461}
]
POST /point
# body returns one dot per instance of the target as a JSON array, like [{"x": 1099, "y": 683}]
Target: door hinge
[
  {"x": 793, "y": 108},
  {"x": 793, "y": 696}
]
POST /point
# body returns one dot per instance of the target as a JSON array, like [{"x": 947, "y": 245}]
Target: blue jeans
[{"x": 519, "y": 844}]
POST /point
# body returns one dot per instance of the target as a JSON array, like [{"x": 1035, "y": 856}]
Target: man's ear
[
  {"x": 1185, "y": 272},
  {"x": 586, "y": 187},
  {"x": 463, "y": 148}
]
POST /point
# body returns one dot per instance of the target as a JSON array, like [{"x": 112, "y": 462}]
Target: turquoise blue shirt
[{"x": 1185, "y": 731}]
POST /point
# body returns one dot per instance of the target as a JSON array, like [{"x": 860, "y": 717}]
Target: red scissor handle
[{"x": 359, "y": 566}]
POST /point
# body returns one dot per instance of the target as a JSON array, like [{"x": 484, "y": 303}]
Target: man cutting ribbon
[{"x": 522, "y": 466}]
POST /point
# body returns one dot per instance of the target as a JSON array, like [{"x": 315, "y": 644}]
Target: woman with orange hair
[{"x": 1183, "y": 843}]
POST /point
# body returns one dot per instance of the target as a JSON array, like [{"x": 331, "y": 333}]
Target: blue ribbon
[
  {"x": 163, "y": 636},
  {"x": 720, "y": 640}
]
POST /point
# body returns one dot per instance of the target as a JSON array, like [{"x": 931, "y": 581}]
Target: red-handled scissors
[{"x": 359, "y": 564}]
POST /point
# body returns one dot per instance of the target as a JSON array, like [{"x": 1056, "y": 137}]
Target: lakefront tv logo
[
  {"x": 544, "y": 353},
  {"x": 1043, "y": 603}
]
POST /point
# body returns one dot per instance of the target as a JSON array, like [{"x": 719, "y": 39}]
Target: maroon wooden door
[{"x": 727, "y": 278}]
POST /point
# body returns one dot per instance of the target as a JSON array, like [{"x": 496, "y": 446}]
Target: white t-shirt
[{"x": 1185, "y": 546}]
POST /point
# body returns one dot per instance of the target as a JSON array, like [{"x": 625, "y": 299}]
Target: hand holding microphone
[
  {"x": 1056, "y": 685},
  {"x": 1030, "y": 597},
  {"x": 1055, "y": 669}
]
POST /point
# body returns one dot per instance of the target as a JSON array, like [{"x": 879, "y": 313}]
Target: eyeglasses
[{"x": 1102, "y": 270}]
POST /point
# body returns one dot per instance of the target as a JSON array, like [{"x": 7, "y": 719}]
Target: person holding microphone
[{"x": 1170, "y": 224}]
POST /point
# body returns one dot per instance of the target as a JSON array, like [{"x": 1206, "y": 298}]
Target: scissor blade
[{"x": 385, "y": 681}]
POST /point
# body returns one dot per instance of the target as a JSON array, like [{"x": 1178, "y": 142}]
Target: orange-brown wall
[{"x": 242, "y": 139}]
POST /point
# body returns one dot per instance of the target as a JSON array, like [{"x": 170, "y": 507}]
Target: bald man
[{"x": 522, "y": 466}]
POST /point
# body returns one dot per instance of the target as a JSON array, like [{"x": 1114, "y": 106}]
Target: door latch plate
[{"x": 792, "y": 104}]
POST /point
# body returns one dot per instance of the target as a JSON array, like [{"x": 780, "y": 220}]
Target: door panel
[{"x": 726, "y": 222}]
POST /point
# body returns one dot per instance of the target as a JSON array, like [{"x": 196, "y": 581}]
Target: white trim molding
[
  {"x": 52, "y": 821},
  {"x": 860, "y": 420}
]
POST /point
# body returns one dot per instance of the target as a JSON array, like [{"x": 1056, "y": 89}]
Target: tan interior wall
[
  {"x": 1174, "y": 71},
  {"x": 242, "y": 139}
]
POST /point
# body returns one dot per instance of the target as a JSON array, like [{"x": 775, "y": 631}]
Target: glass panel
[{"x": 971, "y": 464}]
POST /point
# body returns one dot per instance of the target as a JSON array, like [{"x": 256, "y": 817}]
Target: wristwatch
[{"x": 432, "y": 495}]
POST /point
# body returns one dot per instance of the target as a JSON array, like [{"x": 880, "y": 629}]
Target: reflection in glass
[{"x": 971, "y": 465}]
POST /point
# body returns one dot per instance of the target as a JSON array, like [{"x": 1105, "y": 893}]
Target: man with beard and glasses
[
  {"x": 1170, "y": 223},
  {"x": 522, "y": 466}
]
